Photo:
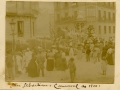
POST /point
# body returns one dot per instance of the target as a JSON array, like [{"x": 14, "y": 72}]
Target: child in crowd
[{"x": 72, "y": 68}]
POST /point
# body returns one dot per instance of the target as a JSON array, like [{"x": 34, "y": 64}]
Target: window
[
  {"x": 99, "y": 29},
  {"x": 109, "y": 29},
  {"x": 104, "y": 15},
  {"x": 20, "y": 28},
  {"x": 66, "y": 4},
  {"x": 113, "y": 4},
  {"x": 99, "y": 14},
  {"x": 104, "y": 29},
  {"x": 58, "y": 5},
  {"x": 33, "y": 29},
  {"x": 109, "y": 15},
  {"x": 113, "y": 16},
  {"x": 113, "y": 29},
  {"x": 108, "y": 3}
]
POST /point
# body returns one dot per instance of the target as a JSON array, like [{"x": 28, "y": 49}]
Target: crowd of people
[{"x": 34, "y": 62}]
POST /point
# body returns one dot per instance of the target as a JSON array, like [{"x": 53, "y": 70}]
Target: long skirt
[
  {"x": 50, "y": 64},
  {"x": 57, "y": 63},
  {"x": 110, "y": 59},
  {"x": 32, "y": 69}
]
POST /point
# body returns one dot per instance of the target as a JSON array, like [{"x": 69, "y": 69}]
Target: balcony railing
[
  {"x": 69, "y": 19},
  {"x": 106, "y": 20}
]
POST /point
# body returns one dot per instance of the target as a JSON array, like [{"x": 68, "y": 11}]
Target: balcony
[
  {"x": 106, "y": 20},
  {"x": 69, "y": 19},
  {"x": 103, "y": 4}
]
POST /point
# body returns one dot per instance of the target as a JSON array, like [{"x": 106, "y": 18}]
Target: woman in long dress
[
  {"x": 50, "y": 62},
  {"x": 19, "y": 62},
  {"x": 28, "y": 57},
  {"x": 63, "y": 65},
  {"x": 33, "y": 67},
  {"x": 104, "y": 61},
  {"x": 110, "y": 56},
  {"x": 58, "y": 57}
]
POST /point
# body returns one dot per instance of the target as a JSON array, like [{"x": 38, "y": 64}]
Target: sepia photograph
[{"x": 63, "y": 42}]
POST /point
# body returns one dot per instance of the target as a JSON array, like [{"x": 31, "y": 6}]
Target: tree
[{"x": 52, "y": 32}]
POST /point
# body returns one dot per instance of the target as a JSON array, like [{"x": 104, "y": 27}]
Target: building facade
[
  {"x": 100, "y": 15},
  {"x": 24, "y": 15}
]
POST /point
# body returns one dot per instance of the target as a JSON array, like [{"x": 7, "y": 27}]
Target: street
[{"x": 87, "y": 72}]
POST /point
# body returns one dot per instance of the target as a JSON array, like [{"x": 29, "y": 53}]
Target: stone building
[
  {"x": 24, "y": 14},
  {"x": 100, "y": 15}
]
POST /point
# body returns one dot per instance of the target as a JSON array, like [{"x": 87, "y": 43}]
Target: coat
[
  {"x": 72, "y": 66},
  {"x": 40, "y": 60},
  {"x": 63, "y": 64},
  {"x": 32, "y": 68}
]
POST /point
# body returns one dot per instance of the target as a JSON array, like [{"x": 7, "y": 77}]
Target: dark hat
[{"x": 71, "y": 59}]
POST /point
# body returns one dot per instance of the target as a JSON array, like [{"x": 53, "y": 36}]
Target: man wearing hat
[{"x": 40, "y": 60}]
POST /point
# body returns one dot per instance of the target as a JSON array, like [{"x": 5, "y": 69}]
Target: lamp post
[{"x": 12, "y": 23}]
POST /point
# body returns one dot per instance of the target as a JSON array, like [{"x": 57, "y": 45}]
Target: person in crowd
[
  {"x": 71, "y": 52},
  {"x": 101, "y": 47},
  {"x": 19, "y": 62},
  {"x": 58, "y": 57},
  {"x": 63, "y": 65},
  {"x": 95, "y": 54},
  {"x": 88, "y": 51},
  {"x": 28, "y": 57},
  {"x": 98, "y": 53},
  {"x": 23, "y": 59},
  {"x": 79, "y": 51},
  {"x": 109, "y": 55},
  {"x": 50, "y": 62},
  {"x": 54, "y": 49},
  {"x": 104, "y": 61},
  {"x": 9, "y": 66},
  {"x": 113, "y": 55},
  {"x": 33, "y": 67},
  {"x": 72, "y": 69},
  {"x": 91, "y": 48},
  {"x": 40, "y": 60}
]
